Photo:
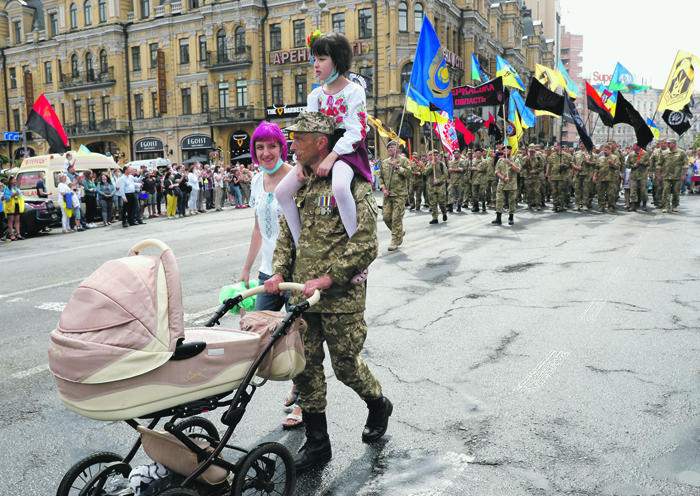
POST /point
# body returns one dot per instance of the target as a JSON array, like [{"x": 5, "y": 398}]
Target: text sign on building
[
  {"x": 28, "y": 91},
  {"x": 147, "y": 145},
  {"x": 453, "y": 60},
  {"x": 295, "y": 56},
  {"x": 162, "y": 88},
  {"x": 284, "y": 111},
  {"x": 361, "y": 47},
  {"x": 196, "y": 142},
  {"x": 601, "y": 78}
]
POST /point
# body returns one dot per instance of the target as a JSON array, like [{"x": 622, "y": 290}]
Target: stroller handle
[
  {"x": 149, "y": 242},
  {"x": 284, "y": 286}
]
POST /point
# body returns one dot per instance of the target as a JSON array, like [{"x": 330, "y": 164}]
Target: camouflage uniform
[
  {"x": 394, "y": 205},
  {"x": 558, "y": 172},
  {"x": 585, "y": 189},
  {"x": 490, "y": 181},
  {"x": 455, "y": 189},
  {"x": 639, "y": 179},
  {"x": 437, "y": 196},
  {"x": 478, "y": 180},
  {"x": 674, "y": 163},
  {"x": 657, "y": 162},
  {"x": 533, "y": 196},
  {"x": 338, "y": 318},
  {"x": 509, "y": 188},
  {"x": 416, "y": 185},
  {"x": 546, "y": 186},
  {"x": 606, "y": 180}
]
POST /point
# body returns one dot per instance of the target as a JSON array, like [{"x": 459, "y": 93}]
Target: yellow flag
[
  {"x": 515, "y": 132},
  {"x": 549, "y": 78},
  {"x": 679, "y": 87},
  {"x": 383, "y": 131}
]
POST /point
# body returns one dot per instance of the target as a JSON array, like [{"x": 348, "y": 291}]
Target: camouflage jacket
[
  {"x": 530, "y": 164},
  {"x": 638, "y": 164},
  {"x": 606, "y": 172},
  {"x": 458, "y": 177},
  {"x": 558, "y": 170},
  {"x": 396, "y": 182},
  {"x": 324, "y": 246},
  {"x": 657, "y": 160},
  {"x": 674, "y": 163},
  {"x": 440, "y": 173},
  {"x": 588, "y": 167},
  {"x": 506, "y": 170}
]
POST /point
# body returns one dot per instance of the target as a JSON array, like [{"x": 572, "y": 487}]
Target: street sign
[{"x": 10, "y": 136}]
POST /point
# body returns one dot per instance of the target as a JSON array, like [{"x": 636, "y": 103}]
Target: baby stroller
[{"x": 121, "y": 352}]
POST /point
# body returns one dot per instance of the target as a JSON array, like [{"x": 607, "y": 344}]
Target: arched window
[
  {"x": 403, "y": 17},
  {"x": 88, "y": 12},
  {"x": 103, "y": 62},
  {"x": 74, "y": 66},
  {"x": 417, "y": 17},
  {"x": 103, "y": 10},
  {"x": 88, "y": 67},
  {"x": 73, "y": 16},
  {"x": 221, "y": 46},
  {"x": 240, "y": 39},
  {"x": 405, "y": 76}
]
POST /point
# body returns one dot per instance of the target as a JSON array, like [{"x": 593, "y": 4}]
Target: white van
[{"x": 151, "y": 165}]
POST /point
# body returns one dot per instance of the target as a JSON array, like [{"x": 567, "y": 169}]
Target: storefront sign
[
  {"x": 296, "y": 56},
  {"x": 361, "y": 47},
  {"x": 239, "y": 138},
  {"x": 453, "y": 60},
  {"x": 285, "y": 111},
  {"x": 162, "y": 87},
  {"x": 28, "y": 91},
  {"x": 147, "y": 145},
  {"x": 196, "y": 142}
]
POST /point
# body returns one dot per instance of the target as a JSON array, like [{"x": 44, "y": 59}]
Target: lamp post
[{"x": 322, "y": 8}]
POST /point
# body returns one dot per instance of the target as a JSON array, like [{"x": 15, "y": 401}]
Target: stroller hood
[{"x": 122, "y": 321}]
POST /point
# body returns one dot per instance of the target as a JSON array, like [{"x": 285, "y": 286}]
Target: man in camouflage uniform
[
  {"x": 436, "y": 174},
  {"x": 657, "y": 162},
  {"x": 614, "y": 150},
  {"x": 507, "y": 172},
  {"x": 545, "y": 184},
  {"x": 639, "y": 162},
  {"x": 532, "y": 166},
  {"x": 393, "y": 174},
  {"x": 605, "y": 177},
  {"x": 583, "y": 167},
  {"x": 477, "y": 170},
  {"x": 326, "y": 259},
  {"x": 455, "y": 190},
  {"x": 491, "y": 180},
  {"x": 558, "y": 166},
  {"x": 673, "y": 173},
  {"x": 415, "y": 185}
]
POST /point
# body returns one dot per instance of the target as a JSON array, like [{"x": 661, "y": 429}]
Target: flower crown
[{"x": 312, "y": 37}]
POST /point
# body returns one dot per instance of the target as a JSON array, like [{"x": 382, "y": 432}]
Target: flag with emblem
[
  {"x": 509, "y": 75},
  {"x": 515, "y": 129},
  {"x": 595, "y": 104},
  {"x": 623, "y": 80},
  {"x": 539, "y": 98},
  {"x": 477, "y": 73},
  {"x": 43, "y": 120},
  {"x": 679, "y": 120},
  {"x": 679, "y": 87},
  {"x": 571, "y": 87},
  {"x": 384, "y": 131},
  {"x": 420, "y": 107},
  {"x": 527, "y": 117},
  {"x": 430, "y": 76},
  {"x": 448, "y": 136}
]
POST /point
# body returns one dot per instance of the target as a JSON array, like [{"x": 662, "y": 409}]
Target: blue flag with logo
[
  {"x": 527, "y": 116},
  {"x": 430, "y": 76}
]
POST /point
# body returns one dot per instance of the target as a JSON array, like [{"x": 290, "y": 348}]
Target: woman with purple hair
[{"x": 268, "y": 149}]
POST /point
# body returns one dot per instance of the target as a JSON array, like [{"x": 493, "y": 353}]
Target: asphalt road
[{"x": 555, "y": 357}]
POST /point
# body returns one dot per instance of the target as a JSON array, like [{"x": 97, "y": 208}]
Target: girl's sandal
[
  {"x": 293, "y": 420},
  {"x": 291, "y": 397}
]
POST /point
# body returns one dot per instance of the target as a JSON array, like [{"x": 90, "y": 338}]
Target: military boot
[
  {"x": 476, "y": 207},
  {"x": 449, "y": 207},
  {"x": 510, "y": 219},
  {"x": 483, "y": 207},
  {"x": 394, "y": 244},
  {"x": 498, "y": 220},
  {"x": 377, "y": 419},
  {"x": 317, "y": 448},
  {"x": 459, "y": 207}
]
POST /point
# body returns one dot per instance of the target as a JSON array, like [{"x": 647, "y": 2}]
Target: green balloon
[{"x": 236, "y": 289}]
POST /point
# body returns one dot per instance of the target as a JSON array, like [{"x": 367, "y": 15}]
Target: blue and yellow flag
[
  {"x": 526, "y": 116},
  {"x": 571, "y": 87},
  {"x": 477, "y": 73},
  {"x": 420, "y": 107},
  {"x": 623, "y": 80},
  {"x": 430, "y": 76},
  {"x": 609, "y": 98},
  {"x": 515, "y": 129},
  {"x": 83, "y": 150},
  {"x": 653, "y": 127},
  {"x": 509, "y": 75}
]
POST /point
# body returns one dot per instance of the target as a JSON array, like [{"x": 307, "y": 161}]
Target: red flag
[
  {"x": 461, "y": 128},
  {"x": 492, "y": 120},
  {"x": 44, "y": 121}
]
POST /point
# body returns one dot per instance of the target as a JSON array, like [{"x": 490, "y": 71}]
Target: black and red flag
[
  {"x": 44, "y": 121},
  {"x": 595, "y": 104}
]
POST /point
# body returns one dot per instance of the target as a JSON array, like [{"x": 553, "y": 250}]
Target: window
[
  {"x": 204, "y": 98},
  {"x": 277, "y": 91},
  {"x": 194, "y": 4},
  {"x": 202, "y": 48},
  {"x": 138, "y": 106},
  {"x": 60, "y": 69},
  {"x": 186, "y": 101},
  {"x": 239, "y": 38},
  {"x": 145, "y": 9},
  {"x": 136, "y": 58},
  {"x": 18, "y": 32},
  {"x": 88, "y": 13},
  {"x": 403, "y": 17},
  {"x": 300, "y": 33},
  {"x": 18, "y": 121},
  {"x": 242, "y": 93},
  {"x": 223, "y": 96},
  {"x": 53, "y": 22},
  {"x": 364, "y": 17},
  {"x": 275, "y": 37},
  {"x": 74, "y": 68},
  {"x": 48, "y": 74},
  {"x": 13, "y": 78},
  {"x": 154, "y": 104},
  {"x": 105, "y": 107},
  {"x": 92, "y": 117},
  {"x": 77, "y": 108},
  {"x": 339, "y": 23},
  {"x": 88, "y": 67},
  {"x": 184, "y": 51},
  {"x": 104, "y": 69},
  {"x": 405, "y": 76},
  {"x": 417, "y": 17},
  {"x": 153, "y": 50},
  {"x": 102, "y": 9},
  {"x": 300, "y": 89},
  {"x": 73, "y": 16}
]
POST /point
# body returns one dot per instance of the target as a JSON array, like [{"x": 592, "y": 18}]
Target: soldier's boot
[
  {"x": 444, "y": 216},
  {"x": 483, "y": 207},
  {"x": 449, "y": 207},
  {"x": 498, "y": 220},
  {"x": 394, "y": 244},
  {"x": 510, "y": 219},
  {"x": 664, "y": 211},
  {"x": 633, "y": 207},
  {"x": 434, "y": 221},
  {"x": 400, "y": 240},
  {"x": 377, "y": 419},
  {"x": 459, "y": 207},
  {"x": 317, "y": 449},
  {"x": 476, "y": 207},
  {"x": 675, "y": 209}
]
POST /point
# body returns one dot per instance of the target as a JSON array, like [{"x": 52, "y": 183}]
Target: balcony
[
  {"x": 170, "y": 121},
  {"x": 88, "y": 79},
  {"x": 176, "y": 8},
  {"x": 231, "y": 58},
  {"x": 235, "y": 115},
  {"x": 159, "y": 10},
  {"x": 96, "y": 128}
]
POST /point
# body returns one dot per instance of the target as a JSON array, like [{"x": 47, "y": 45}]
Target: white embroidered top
[{"x": 349, "y": 109}]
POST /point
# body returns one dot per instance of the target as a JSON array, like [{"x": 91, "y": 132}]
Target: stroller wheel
[
  {"x": 81, "y": 477},
  {"x": 198, "y": 428},
  {"x": 268, "y": 468}
]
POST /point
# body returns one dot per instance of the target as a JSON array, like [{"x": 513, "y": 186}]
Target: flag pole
[
  {"x": 432, "y": 144},
  {"x": 398, "y": 135}
]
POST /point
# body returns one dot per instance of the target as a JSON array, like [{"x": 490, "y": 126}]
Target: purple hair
[{"x": 268, "y": 131}]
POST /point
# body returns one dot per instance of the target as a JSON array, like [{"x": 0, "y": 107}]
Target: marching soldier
[
  {"x": 605, "y": 177},
  {"x": 491, "y": 178},
  {"x": 436, "y": 174},
  {"x": 673, "y": 173},
  {"x": 415, "y": 184},
  {"x": 558, "y": 165},
  {"x": 657, "y": 162},
  {"x": 478, "y": 173},
  {"x": 582, "y": 178},
  {"x": 532, "y": 166},
  {"x": 455, "y": 190},
  {"x": 639, "y": 162},
  {"x": 392, "y": 181},
  {"x": 507, "y": 172}
]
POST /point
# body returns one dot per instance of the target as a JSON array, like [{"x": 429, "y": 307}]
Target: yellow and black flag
[{"x": 679, "y": 87}]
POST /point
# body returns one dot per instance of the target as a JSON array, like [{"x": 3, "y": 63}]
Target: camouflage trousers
[
  {"x": 657, "y": 190},
  {"x": 639, "y": 189},
  {"x": 490, "y": 190},
  {"x": 344, "y": 334},
  {"x": 437, "y": 196},
  {"x": 533, "y": 197},
  {"x": 560, "y": 190},
  {"x": 512, "y": 195},
  {"x": 608, "y": 191},
  {"x": 455, "y": 193},
  {"x": 583, "y": 188},
  {"x": 393, "y": 210},
  {"x": 414, "y": 193},
  {"x": 478, "y": 192},
  {"x": 672, "y": 187}
]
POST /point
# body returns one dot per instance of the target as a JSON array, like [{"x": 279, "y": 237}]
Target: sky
[{"x": 642, "y": 35}]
